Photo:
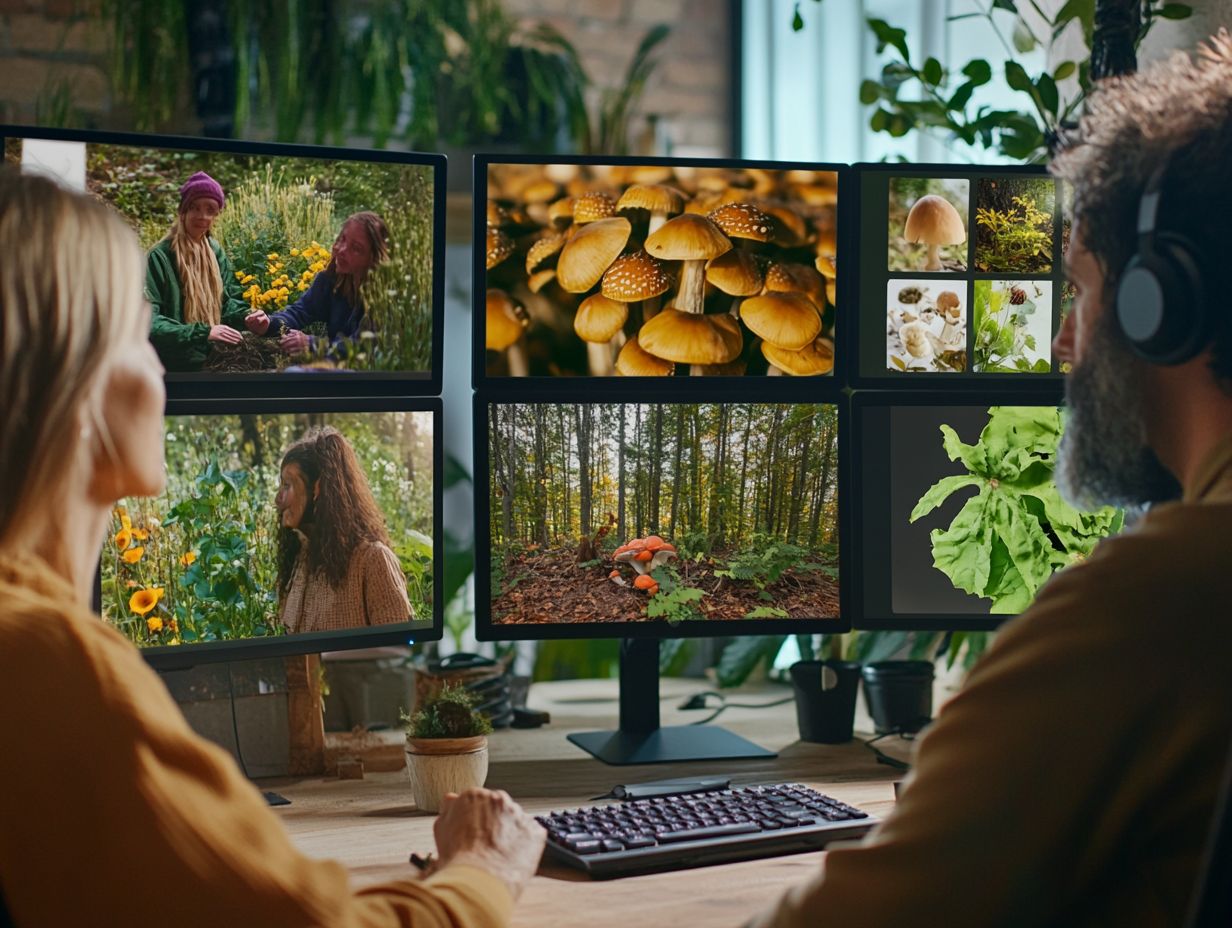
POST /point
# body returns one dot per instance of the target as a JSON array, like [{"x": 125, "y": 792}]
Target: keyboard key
[{"x": 700, "y": 834}]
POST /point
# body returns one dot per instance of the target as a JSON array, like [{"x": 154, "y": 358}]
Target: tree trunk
[
  {"x": 621, "y": 538},
  {"x": 676, "y": 476},
  {"x": 583, "y": 413}
]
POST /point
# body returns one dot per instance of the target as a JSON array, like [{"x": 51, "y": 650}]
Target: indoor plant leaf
[{"x": 940, "y": 491}]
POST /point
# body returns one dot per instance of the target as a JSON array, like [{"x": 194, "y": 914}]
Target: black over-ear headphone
[{"x": 1161, "y": 301}]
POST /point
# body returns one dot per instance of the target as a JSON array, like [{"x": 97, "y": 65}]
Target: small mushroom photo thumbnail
[
  {"x": 660, "y": 270},
  {"x": 928, "y": 224},
  {"x": 926, "y": 326}
]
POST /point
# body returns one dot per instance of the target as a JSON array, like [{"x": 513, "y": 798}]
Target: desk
[{"x": 371, "y": 825}]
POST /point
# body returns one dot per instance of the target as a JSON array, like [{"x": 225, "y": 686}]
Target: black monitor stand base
[
  {"x": 274, "y": 799},
  {"x": 640, "y": 740}
]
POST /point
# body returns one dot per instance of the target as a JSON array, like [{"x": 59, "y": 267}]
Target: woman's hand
[
  {"x": 257, "y": 322},
  {"x": 225, "y": 334},
  {"x": 487, "y": 829},
  {"x": 295, "y": 342}
]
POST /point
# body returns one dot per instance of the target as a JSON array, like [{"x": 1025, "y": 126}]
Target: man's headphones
[{"x": 1161, "y": 302}]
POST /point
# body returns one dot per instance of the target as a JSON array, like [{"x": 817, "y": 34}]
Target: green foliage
[
  {"x": 1017, "y": 240},
  {"x": 449, "y": 713},
  {"x": 1002, "y": 339},
  {"x": 912, "y": 96},
  {"x": 741, "y": 657},
  {"x": 1010, "y": 537},
  {"x": 674, "y": 601},
  {"x": 765, "y": 560}
]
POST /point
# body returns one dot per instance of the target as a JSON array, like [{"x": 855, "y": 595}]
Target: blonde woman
[
  {"x": 114, "y": 792},
  {"x": 190, "y": 282}
]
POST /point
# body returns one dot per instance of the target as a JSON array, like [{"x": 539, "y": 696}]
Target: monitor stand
[{"x": 640, "y": 739}]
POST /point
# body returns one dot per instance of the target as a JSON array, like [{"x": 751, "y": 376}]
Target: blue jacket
[{"x": 320, "y": 304}]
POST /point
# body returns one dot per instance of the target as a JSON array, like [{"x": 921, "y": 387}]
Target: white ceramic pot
[{"x": 437, "y": 766}]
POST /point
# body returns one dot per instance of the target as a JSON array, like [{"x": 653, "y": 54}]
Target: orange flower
[
  {"x": 174, "y": 626},
  {"x": 133, "y": 555},
  {"x": 144, "y": 601},
  {"x": 124, "y": 538},
  {"x": 140, "y": 534},
  {"x": 154, "y": 624},
  {"x": 186, "y": 560}
]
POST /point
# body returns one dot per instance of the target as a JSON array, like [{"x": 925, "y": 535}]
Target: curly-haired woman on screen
[
  {"x": 113, "y": 810},
  {"x": 336, "y": 568}
]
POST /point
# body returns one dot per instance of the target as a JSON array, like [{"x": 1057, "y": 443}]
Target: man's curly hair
[
  {"x": 1176, "y": 112},
  {"x": 343, "y": 516}
]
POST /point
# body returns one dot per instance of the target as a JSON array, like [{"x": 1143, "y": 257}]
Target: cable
[
  {"x": 884, "y": 758},
  {"x": 724, "y": 705}
]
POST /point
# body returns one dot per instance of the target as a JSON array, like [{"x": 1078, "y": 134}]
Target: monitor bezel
[
  {"x": 179, "y": 657},
  {"x": 860, "y": 527},
  {"x": 487, "y": 630},
  {"x": 372, "y": 383},
  {"x": 724, "y": 387},
  {"x": 968, "y": 381}
]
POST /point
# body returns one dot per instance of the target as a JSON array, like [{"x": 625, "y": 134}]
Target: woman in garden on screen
[
  {"x": 190, "y": 283},
  {"x": 336, "y": 568},
  {"x": 334, "y": 297}
]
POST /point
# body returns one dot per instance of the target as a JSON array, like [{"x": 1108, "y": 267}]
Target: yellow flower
[
  {"x": 186, "y": 560},
  {"x": 124, "y": 538},
  {"x": 301, "y": 286},
  {"x": 140, "y": 534},
  {"x": 154, "y": 624},
  {"x": 124, "y": 519},
  {"x": 133, "y": 555},
  {"x": 144, "y": 601},
  {"x": 294, "y": 252},
  {"x": 239, "y": 275},
  {"x": 272, "y": 256}
]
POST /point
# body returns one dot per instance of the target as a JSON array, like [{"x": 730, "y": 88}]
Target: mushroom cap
[
  {"x": 635, "y": 276},
  {"x": 946, "y": 300},
  {"x": 635, "y": 361},
  {"x": 934, "y": 221},
  {"x": 827, "y": 242},
  {"x": 817, "y": 357},
  {"x": 653, "y": 542},
  {"x": 500, "y": 246},
  {"x": 688, "y": 237},
  {"x": 561, "y": 173},
  {"x": 815, "y": 194},
  {"x": 561, "y": 212},
  {"x": 784, "y": 277},
  {"x": 789, "y": 227},
  {"x": 598, "y": 319},
  {"x": 651, "y": 174},
  {"x": 496, "y": 214},
  {"x": 786, "y": 320},
  {"x": 692, "y": 338},
  {"x": 645, "y": 582},
  {"x": 540, "y": 191},
  {"x": 644, "y": 555},
  {"x": 549, "y": 244},
  {"x": 540, "y": 279},
  {"x": 592, "y": 206},
  {"x": 826, "y": 266},
  {"x": 736, "y": 273},
  {"x": 915, "y": 338},
  {"x": 590, "y": 252},
  {"x": 743, "y": 220},
  {"x": 504, "y": 320},
  {"x": 658, "y": 198}
]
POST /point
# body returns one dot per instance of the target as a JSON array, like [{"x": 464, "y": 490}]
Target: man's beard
[{"x": 1103, "y": 458}]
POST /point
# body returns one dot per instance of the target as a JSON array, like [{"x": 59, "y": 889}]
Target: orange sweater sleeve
[{"x": 113, "y": 811}]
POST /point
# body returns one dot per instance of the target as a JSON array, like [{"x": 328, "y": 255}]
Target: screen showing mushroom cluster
[
  {"x": 260, "y": 266},
  {"x": 959, "y": 272},
  {"x": 311, "y": 525},
  {"x": 658, "y": 270},
  {"x": 617, "y": 513}
]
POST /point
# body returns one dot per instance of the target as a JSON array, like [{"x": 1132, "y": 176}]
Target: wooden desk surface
[{"x": 371, "y": 825}]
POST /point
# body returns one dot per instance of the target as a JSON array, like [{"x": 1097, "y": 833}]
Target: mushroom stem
[
  {"x": 600, "y": 357},
  {"x": 515, "y": 354},
  {"x": 691, "y": 297},
  {"x": 773, "y": 371},
  {"x": 934, "y": 258},
  {"x": 657, "y": 219},
  {"x": 650, "y": 308}
]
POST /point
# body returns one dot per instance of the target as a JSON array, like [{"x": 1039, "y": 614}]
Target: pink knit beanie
[{"x": 201, "y": 185}]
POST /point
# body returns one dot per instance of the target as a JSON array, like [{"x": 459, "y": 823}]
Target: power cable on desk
[
  {"x": 884, "y": 758},
  {"x": 271, "y": 798},
  {"x": 698, "y": 701}
]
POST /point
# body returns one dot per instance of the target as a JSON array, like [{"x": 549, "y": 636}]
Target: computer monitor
[
  {"x": 321, "y": 272},
  {"x": 620, "y": 269},
  {"x": 957, "y": 518},
  {"x": 959, "y": 275},
  {"x": 286, "y": 527},
  {"x": 650, "y": 519}
]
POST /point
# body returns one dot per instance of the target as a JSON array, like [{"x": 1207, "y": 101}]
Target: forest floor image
[{"x": 744, "y": 497}]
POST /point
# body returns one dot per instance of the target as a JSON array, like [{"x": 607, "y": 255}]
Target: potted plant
[
  {"x": 446, "y": 746},
  {"x": 825, "y": 691}
]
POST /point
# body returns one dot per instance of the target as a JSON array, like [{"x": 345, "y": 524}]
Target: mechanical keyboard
[{"x": 692, "y": 829}]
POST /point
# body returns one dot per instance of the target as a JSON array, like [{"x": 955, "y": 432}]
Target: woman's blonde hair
[
  {"x": 70, "y": 291},
  {"x": 200, "y": 275}
]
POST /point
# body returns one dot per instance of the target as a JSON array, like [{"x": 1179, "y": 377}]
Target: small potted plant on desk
[{"x": 446, "y": 746}]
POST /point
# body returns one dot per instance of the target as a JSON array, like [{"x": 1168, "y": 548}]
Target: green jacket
[{"x": 183, "y": 346}]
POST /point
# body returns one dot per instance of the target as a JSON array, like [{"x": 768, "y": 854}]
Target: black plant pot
[
  {"x": 825, "y": 699},
  {"x": 899, "y": 695}
]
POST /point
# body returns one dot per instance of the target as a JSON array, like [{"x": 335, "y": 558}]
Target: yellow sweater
[
  {"x": 1073, "y": 780},
  {"x": 113, "y": 812}
]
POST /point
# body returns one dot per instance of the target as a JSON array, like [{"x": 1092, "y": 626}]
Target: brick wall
[
  {"x": 56, "y": 51},
  {"x": 690, "y": 91}
]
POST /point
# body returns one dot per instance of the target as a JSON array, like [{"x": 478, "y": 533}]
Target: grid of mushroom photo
[
  {"x": 959, "y": 275},
  {"x": 659, "y": 270}
]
